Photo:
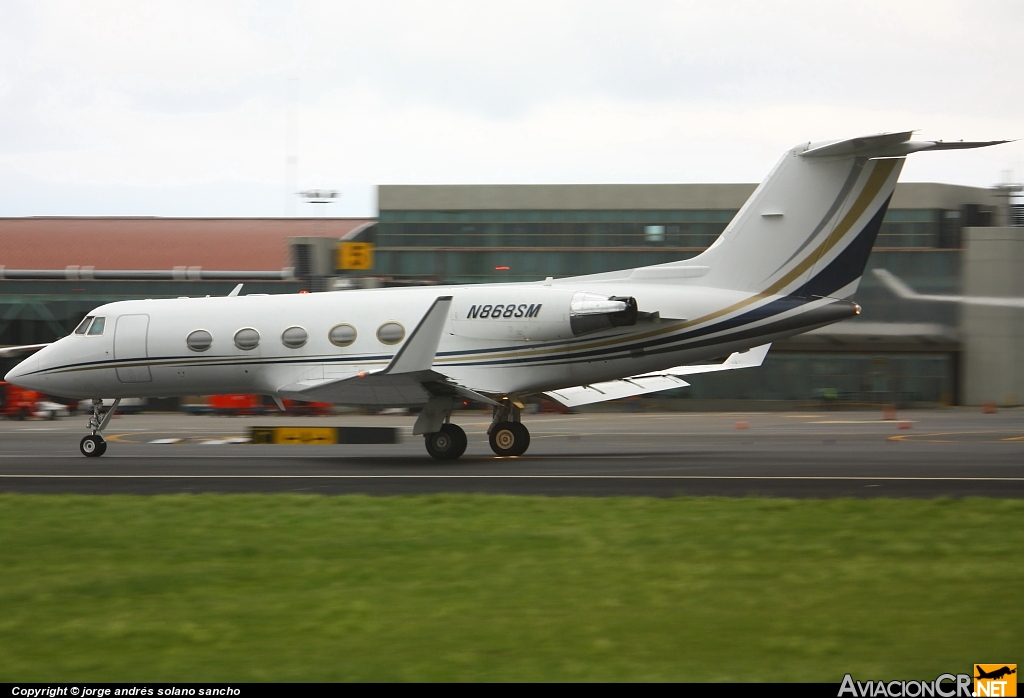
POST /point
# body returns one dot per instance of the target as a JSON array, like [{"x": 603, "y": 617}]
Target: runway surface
[{"x": 954, "y": 452}]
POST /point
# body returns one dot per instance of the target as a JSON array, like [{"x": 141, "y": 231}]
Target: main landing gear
[
  {"x": 507, "y": 435},
  {"x": 446, "y": 441},
  {"x": 447, "y": 444},
  {"x": 94, "y": 445}
]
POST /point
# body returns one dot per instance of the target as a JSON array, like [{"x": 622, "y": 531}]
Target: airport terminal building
[{"x": 938, "y": 238}]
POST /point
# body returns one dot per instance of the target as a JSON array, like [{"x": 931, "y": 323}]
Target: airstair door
[{"x": 129, "y": 344}]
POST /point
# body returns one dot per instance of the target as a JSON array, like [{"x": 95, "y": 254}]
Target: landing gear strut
[
  {"x": 94, "y": 445},
  {"x": 444, "y": 440},
  {"x": 507, "y": 435}
]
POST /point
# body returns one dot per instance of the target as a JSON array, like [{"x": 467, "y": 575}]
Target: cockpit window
[
  {"x": 84, "y": 325},
  {"x": 97, "y": 326}
]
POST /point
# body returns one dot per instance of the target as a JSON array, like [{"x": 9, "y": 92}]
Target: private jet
[{"x": 788, "y": 262}]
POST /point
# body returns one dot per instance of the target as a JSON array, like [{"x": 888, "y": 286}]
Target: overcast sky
[{"x": 193, "y": 109}]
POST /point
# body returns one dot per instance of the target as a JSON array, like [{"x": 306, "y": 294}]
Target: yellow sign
[
  {"x": 995, "y": 680},
  {"x": 320, "y": 436},
  {"x": 316, "y": 436},
  {"x": 355, "y": 255}
]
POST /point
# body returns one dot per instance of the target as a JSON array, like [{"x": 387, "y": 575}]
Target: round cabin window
[
  {"x": 390, "y": 333},
  {"x": 342, "y": 335},
  {"x": 199, "y": 340},
  {"x": 294, "y": 337},
  {"x": 247, "y": 338}
]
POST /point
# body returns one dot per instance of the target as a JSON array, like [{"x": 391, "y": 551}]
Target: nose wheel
[{"x": 93, "y": 446}]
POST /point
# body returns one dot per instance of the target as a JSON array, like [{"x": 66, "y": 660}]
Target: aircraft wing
[
  {"x": 408, "y": 380},
  {"x": 901, "y": 289},
  {"x": 653, "y": 382},
  {"x": 22, "y": 349},
  {"x": 751, "y": 358},
  {"x": 613, "y": 390}
]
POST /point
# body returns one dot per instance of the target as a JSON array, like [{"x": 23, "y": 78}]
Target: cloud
[{"x": 101, "y": 99}]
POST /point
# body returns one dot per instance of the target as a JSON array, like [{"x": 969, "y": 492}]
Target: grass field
[{"x": 253, "y": 588}]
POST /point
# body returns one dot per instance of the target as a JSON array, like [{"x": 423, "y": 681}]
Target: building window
[{"x": 654, "y": 234}]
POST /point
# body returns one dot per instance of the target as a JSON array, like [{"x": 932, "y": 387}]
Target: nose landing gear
[{"x": 94, "y": 445}]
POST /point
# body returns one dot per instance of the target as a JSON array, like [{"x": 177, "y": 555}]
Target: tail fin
[{"x": 808, "y": 229}]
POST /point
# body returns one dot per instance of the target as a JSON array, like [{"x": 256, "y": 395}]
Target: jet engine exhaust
[{"x": 591, "y": 312}]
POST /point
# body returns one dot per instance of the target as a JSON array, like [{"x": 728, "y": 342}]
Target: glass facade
[
  {"x": 475, "y": 246},
  {"x": 865, "y": 379},
  {"x": 41, "y": 311},
  {"x": 921, "y": 246}
]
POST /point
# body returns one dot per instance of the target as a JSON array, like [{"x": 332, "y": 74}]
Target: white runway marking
[{"x": 517, "y": 477}]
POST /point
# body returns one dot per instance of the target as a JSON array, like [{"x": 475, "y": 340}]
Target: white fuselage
[{"x": 526, "y": 346}]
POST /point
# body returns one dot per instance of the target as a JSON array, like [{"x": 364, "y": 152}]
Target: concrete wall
[{"x": 993, "y": 338}]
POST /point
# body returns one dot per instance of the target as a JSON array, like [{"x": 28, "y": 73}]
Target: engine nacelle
[{"x": 538, "y": 313}]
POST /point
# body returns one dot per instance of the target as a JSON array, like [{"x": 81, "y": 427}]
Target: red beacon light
[{"x": 500, "y": 268}]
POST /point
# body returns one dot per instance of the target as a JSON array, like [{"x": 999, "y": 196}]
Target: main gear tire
[
  {"x": 447, "y": 444},
  {"x": 92, "y": 446},
  {"x": 509, "y": 439}
]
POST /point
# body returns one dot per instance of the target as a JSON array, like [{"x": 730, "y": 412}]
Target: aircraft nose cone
[{"x": 20, "y": 375}]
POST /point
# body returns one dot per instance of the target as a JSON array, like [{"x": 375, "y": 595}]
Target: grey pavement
[{"x": 928, "y": 453}]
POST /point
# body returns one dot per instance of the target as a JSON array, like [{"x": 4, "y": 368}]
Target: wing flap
[
  {"x": 751, "y": 358},
  {"x": 614, "y": 390},
  {"x": 654, "y": 382}
]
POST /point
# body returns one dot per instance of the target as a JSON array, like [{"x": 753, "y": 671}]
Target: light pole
[
  {"x": 1008, "y": 189},
  {"x": 321, "y": 247}
]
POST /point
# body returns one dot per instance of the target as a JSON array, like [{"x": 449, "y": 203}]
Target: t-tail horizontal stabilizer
[
  {"x": 408, "y": 380},
  {"x": 886, "y": 145},
  {"x": 653, "y": 382}
]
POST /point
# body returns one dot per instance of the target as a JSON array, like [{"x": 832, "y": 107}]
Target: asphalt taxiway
[{"x": 927, "y": 453}]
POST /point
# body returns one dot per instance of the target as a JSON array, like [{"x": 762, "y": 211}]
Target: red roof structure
[{"x": 230, "y": 244}]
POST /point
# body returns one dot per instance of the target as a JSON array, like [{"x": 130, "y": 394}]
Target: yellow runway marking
[
  {"x": 925, "y": 438},
  {"x": 861, "y": 421}
]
